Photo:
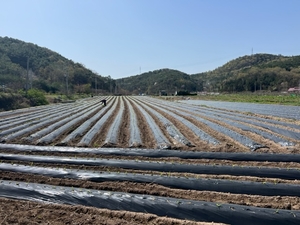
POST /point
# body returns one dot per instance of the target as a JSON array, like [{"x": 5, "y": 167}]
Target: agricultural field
[{"x": 143, "y": 160}]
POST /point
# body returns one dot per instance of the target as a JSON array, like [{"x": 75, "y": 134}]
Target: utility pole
[
  {"x": 67, "y": 88},
  {"x": 260, "y": 86},
  {"x": 110, "y": 87},
  {"x": 30, "y": 78},
  {"x": 95, "y": 84},
  {"x": 119, "y": 85},
  {"x": 67, "y": 85},
  {"x": 27, "y": 75}
]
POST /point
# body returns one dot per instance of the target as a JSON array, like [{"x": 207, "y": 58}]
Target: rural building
[
  {"x": 294, "y": 90},
  {"x": 163, "y": 93}
]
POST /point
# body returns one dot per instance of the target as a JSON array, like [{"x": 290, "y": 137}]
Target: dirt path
[{"x": 26, "y": 212}]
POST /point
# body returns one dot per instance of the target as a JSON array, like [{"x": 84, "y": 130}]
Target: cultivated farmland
[{"x": 150, "y": 159}]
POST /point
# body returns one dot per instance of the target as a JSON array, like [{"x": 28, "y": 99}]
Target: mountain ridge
[{"x": 51, "y": 72}]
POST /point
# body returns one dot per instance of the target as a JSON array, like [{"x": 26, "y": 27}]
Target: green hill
[
  {"x": 256, "y": 72},
  {"x": 154, "y": 82},
  {"x": 25, "y": 65},
  {"x": 263, "y": 72}
]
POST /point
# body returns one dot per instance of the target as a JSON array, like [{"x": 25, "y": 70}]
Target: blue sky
[{"x": 122, "y": 38}]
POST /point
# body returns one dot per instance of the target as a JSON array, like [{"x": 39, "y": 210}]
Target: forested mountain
[
  {"x": 263, "y": 72},
  {"x": 255, "y": 72},
  {"x": 154, "y": 82},
  {"x": 25, "y": 65}
]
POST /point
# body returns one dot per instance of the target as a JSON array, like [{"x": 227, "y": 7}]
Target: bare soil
[{"x": 20, "y": 212}]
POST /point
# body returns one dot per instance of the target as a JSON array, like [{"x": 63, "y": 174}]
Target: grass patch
[{"x": 281, "y": 99}]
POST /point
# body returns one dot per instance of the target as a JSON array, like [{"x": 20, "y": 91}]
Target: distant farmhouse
[
  {"x": 163, "y": 93},
  {"x": 294, "y": 90}
]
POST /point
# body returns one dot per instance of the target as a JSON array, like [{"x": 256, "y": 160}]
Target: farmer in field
[{"x": 103, "y": 101}]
